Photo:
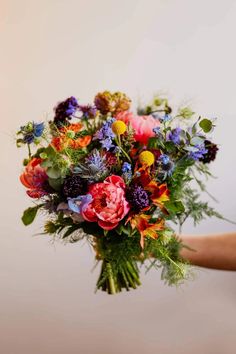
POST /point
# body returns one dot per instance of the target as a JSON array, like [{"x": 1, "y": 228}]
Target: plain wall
[{"x": 52, "y": 49}]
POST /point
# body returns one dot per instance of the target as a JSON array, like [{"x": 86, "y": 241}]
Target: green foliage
[
  {"x": 62, "y": 227},
  {"x": 56, "y": 165},
  {"x": 30, "y": 214},
  {"x": 196, "y": 209},
  {"x": 206, "y": 125}
]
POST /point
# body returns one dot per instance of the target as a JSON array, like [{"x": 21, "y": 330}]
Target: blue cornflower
[
  {"x": 174, "y": 135},
  {"x": 31, "y": 131},
  {"x": 198, "y": 152},
  {"x": 126, "y": 167},
  {"x": 38, "y": 129},
  {"x": 164, "y": 159},
  {"x": 80, "y": 203}
]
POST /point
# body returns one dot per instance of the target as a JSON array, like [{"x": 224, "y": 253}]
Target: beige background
[{"x": 51, "y": 49}]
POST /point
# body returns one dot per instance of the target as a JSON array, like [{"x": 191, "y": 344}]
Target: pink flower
[
  {"x": 142, "y": 125},
  {"x": 34, "y": 178},
  {"x": 108, "y": 205}
]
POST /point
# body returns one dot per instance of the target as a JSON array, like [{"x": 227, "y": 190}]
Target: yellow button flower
[
  {"x": 146, "y": 158},
  {"x": 119, "y": 127}
]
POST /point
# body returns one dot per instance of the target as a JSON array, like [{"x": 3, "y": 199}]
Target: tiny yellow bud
[
  {"x": 119, "y": 127},
  {"x": 146, "y": 158}
]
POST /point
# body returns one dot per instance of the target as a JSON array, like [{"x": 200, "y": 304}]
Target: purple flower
[
  {"x": 64, "y": 110},
  {"x": 105, "y": 134},
  {"x": 96, "y": 162},
  {"x": 174, "y": 135},
  {"x": 88, "y": 111},
  {"x": 80, "y": 203},
  {"x": 107, "y": 144},
  {"x": 126, "y": 167},
  {"x": 198, "y": 152},
  {"x": 126, "y": 171},
  {"x": 138, "y": 198}
]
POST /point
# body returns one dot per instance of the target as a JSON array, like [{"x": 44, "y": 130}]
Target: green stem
[
  {"x": 111, "y": 279},
  {"x": 29, "y": 151}
]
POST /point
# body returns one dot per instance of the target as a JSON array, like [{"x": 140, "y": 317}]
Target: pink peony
[
  {"x": 142, "y": 125},
  {"x": 109, "y": 205}
]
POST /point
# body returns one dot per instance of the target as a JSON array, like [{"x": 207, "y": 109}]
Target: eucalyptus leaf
[{"x": 206, "y": 125}]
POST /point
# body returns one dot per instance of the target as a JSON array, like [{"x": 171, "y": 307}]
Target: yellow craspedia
[
  {"x": 146, "y": 158},
  {"x": 119, "y": 127}
]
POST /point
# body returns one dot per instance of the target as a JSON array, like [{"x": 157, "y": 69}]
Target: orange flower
[
  {"x": 159, "y": 193},
  {"x": 34, "y": 178},
  {"x": 75, "y": 127},
  {"x": 80, "y": 142},
  {"x": 64, "y": 140},
  {"x": 58, "y": 143},
  {"x": 141, "y": 222}
]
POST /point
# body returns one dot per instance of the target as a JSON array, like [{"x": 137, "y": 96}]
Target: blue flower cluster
[
  {"x": 105, "y": 134},
  {"x": 126, "y": 171}
]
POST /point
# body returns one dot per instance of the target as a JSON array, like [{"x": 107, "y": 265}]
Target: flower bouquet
[{"x": 119, "y": 179}]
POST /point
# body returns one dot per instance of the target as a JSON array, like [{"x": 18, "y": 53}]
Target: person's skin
[{"x": 211, "y": 251}]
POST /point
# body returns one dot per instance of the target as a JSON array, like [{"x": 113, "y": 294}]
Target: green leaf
[
  {"x": 55, "y": 183},
  {"x": 153, "y": 143},
  {"x": 175, "y": 207},
  {"x": 206, "y": 125},
  {"x": 30, "y": 214},
  {"x": 170, "y": 146}
]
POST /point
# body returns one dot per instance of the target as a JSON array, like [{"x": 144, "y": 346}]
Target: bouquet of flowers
[{"x": 119, "y": 179}]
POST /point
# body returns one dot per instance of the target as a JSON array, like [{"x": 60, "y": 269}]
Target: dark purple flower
[
  {"x": 73, "y": 186},
  {"x": 137, "y": 198},
  {"x": 64, "y": 110},
  {"x": 88, "y": 111},
  {"x": 210, "y": 155}
]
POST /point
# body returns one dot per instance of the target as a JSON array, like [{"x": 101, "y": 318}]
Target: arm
[{"x": 211, "y": 251}]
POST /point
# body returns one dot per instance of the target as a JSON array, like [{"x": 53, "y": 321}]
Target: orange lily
[
  {"x": 141, "y": 222},
  {"x": 159, "y": 193}
]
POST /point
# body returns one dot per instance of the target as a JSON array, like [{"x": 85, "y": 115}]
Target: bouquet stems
[{"x": 113, "y": 279}]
